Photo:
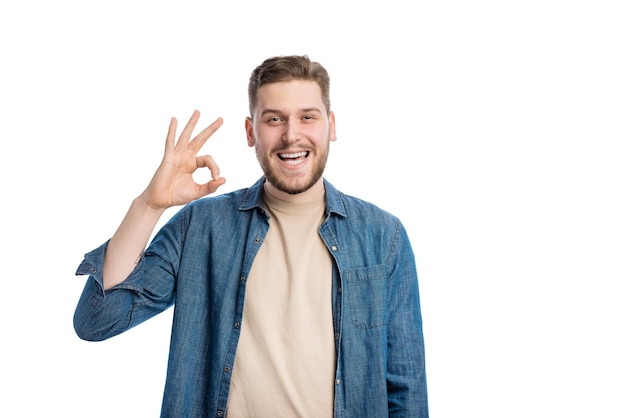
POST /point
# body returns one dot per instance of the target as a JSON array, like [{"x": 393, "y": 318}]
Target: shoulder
[
  {"x": 354, "y": 215},
  {"x": 355, "y": 208},
  {"x": 232, "y": 198},
  {"x": 241, "y": 200},
  {"x": 217, "y": 209}
]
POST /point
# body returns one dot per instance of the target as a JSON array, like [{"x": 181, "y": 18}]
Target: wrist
[{"x": 146, "y": 207}]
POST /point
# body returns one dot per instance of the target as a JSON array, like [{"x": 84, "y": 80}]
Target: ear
[
  {"x": 249, "y": 131},
  {"x": 332, "y": 134}
]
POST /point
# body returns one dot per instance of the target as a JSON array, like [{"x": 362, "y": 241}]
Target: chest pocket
[{"x": 365, "y": 291}]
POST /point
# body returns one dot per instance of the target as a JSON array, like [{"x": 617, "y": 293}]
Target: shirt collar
[{"x": 253, "y": 198}]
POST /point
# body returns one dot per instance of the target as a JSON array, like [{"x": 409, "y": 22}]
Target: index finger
[{"x": 199, "y": 140}]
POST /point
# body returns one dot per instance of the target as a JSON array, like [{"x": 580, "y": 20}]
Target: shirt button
[
  {"x": 220, "y": 413},
  {"x": 93, "y": 270},
  {"x": 227, "y": 369},
  {"x": 237, "y": 324},
  {"x": 336, "y": 335},
  {"x": 241, "y": 279},
  {"x": 337, "y": 381},
  {"x": 257, "y": 239},
  {"x": 334, "y": 248}
]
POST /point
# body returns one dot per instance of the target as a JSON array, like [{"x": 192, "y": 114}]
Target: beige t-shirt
[{"x": 285, "y": 360}]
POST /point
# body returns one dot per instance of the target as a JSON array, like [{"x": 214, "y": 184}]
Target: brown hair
[{"x": 287, "y": 68}]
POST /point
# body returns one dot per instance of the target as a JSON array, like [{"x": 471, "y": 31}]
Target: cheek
[
  {"x": 262, "y": 146},
  {"x": 268, "y": 137},
  {"x": 321, "y": 135}
]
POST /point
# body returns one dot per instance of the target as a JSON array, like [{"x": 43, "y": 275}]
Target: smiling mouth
[{"x": 293, "y": 157}]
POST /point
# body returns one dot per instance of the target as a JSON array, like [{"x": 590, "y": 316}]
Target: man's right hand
[{"x": 173, "y": 183}]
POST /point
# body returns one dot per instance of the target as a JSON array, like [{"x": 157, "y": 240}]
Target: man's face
[{"x": 291, "y": 131}]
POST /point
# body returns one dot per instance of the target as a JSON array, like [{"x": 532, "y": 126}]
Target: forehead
[{"x": 289, "y": 95}]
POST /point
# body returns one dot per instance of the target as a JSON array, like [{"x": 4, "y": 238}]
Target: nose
[{"x": 292, "y": 132}]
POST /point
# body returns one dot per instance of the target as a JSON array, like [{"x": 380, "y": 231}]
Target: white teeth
[{"x": 293, "y": 155}]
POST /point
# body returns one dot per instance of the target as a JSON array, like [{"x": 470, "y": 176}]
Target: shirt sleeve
[
  {"x": 406, "y": 374},
  {"x": 146, "y": 292}
]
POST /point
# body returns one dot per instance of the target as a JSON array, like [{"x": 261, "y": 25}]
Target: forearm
[{"x": 129, "y": 242}]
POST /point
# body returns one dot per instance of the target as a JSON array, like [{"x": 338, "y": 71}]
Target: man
[{"x": 290, "y": 298}]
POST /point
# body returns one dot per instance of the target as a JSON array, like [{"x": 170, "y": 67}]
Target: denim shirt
[{"x": 199, "y": 262}]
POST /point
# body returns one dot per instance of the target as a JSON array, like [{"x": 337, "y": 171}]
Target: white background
[{"x": 494, "y": 129}]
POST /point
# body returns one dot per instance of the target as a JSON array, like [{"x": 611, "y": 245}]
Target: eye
[
  {"x": 274, "y": 120},
  {"x": 308, "y": 117}
]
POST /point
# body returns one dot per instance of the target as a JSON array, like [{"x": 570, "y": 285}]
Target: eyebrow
[{"x": 279, "y": 112}]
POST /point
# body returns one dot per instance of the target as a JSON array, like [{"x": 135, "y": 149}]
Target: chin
[{"x": 291, "y": 186}]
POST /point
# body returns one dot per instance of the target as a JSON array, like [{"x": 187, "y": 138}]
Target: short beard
[{"x": 288, "y": 187}]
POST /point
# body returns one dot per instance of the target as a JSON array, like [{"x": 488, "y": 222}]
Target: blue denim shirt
[{"x": 199, "y": 262}]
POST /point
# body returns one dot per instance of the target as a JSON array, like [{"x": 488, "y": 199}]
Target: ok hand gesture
[{"x": 173, "y": 183}]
